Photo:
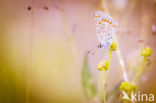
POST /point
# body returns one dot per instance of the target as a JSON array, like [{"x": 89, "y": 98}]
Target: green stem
[
  {"x": 110, "y": 57},
  {"x": 104, "y": 5},
  {"x": 104, "y": 98},
  {"x": 104, "y": 80},
  {"x": 140, "y": 69}
]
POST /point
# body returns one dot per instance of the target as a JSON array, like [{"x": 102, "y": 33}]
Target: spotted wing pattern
[{"x": 105, "y": 28}]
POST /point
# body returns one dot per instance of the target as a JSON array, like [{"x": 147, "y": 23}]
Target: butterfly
[{"x": 105, "y": 29}]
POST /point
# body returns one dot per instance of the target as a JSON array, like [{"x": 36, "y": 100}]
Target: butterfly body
[{"x": 105, "y": 28}]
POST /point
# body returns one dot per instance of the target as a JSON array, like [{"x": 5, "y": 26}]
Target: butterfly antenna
[{"x": 97, "y": 46}]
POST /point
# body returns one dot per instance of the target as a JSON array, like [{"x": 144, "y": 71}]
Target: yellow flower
[
  {"x": 104, "y": 65},
  {"x": 113, "y": 46},
  {"x": 128, "y": 87},
  {"x": 100, "y": 67},
  {"x": 146, "y": 52}
]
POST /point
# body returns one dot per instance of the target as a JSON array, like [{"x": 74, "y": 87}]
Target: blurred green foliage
[{"x": 87, "y": 81}]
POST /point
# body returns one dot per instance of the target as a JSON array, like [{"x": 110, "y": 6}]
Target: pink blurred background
[{"x": 43, "y": 44}]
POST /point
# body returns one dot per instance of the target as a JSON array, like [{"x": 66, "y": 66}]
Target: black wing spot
[
  {"x": 46, "y": 8},
  {"x": 29, "y": 8}
]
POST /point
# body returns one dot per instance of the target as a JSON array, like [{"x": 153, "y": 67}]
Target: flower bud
[
  {"x": 113, "y": 46},
  {"x": 146, "y": 52},
  {"x": 128, "y": 87},
  {"x": 104, "y": 65}
]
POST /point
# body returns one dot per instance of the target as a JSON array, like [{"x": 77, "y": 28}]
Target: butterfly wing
[{"x": 105, "y": 28}]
